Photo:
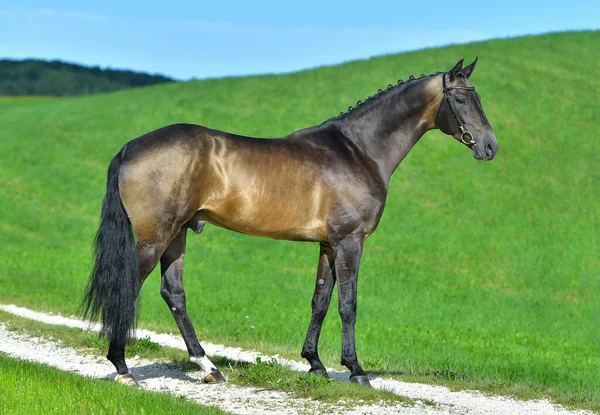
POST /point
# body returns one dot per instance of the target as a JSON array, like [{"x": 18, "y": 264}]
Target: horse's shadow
[
  {"x": 188, "y": 371},
  {"x": 170, "y": 370}
]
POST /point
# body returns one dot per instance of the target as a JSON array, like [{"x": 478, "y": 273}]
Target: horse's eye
[{"x": 460, "y": 100}]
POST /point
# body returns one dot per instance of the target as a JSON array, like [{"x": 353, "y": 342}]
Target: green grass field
[
  {"x": 33, "y": 389},
  {"x": 480, "y": 274}
]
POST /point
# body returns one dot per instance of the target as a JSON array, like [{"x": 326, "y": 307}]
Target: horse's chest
[{"x": 357, "y": 206}]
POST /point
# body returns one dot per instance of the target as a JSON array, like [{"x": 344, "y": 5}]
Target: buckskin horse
[{"x": 325, "y": 184}]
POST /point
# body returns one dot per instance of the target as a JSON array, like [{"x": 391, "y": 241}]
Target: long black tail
[{"x": 114, "y": 282}]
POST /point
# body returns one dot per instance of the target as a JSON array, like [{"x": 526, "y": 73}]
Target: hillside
[
  {"x": 56, "y": 78},
  {"x": 481, "y": 275}
]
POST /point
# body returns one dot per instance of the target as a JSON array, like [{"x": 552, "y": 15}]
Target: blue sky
[{"x": 201, "y": 39}]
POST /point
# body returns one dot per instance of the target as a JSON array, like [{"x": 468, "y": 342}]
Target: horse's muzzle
[{"x": 485, "y": 150}]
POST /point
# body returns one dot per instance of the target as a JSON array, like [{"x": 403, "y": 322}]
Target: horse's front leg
[
  {"x": 320, "y": 304},
  {"x": 347, "y": 253}
]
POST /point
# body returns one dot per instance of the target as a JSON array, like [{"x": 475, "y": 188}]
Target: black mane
[{"x": 382, "y": 92}]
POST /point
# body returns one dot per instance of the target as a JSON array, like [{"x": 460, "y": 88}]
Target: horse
[{"x": 326, "y": 184}]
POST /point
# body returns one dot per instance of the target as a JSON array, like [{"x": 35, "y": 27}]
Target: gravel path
[{"x": 246, "y": 400}]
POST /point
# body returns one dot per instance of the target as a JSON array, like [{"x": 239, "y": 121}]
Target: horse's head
[{"x": 461, "y": 115}]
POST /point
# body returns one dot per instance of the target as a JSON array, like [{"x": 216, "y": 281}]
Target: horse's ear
[
  {"x": 468, "y": 70},
  {"x": 453, "y": 73}
]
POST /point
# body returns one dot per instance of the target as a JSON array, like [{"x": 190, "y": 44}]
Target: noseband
[{"x": 465, "y": 136}]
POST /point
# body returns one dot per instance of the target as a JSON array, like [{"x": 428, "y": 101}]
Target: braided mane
[{"x": 381, "y": 92}]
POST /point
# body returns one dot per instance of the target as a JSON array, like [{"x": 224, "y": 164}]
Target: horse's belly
[
  {"x": 270, "y": 226},
  {"x": 279, "y": 219}
]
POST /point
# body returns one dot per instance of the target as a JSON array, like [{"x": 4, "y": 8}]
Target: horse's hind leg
[
  {"x": 320, "y": 304},
  {"x": 171, "y": 265},
  {"x": 148, "y": 256}
]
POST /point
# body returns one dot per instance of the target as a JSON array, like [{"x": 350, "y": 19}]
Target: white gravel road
[{"x": 247, "y": 400}]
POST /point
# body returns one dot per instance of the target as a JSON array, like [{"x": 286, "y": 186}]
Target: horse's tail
[{"x": 114, "y": 282}]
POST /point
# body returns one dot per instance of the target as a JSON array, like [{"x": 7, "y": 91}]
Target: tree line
[{"x": 57, "y": 78}]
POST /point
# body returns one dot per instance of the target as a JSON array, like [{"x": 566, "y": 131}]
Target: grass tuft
[{"x": 271, "y": 375}]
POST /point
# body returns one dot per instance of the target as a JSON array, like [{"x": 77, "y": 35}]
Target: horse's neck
[{"x": 387, "y": 128}]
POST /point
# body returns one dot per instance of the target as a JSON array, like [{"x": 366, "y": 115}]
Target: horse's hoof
[
  {"x": 214, "y": 377},
  {"x": 126, "y": 379},
  {"x": 362, "y": 380},
  {"x": 319, "y": 372}
]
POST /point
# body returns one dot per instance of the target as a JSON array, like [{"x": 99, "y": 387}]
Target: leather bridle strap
[{"x": 465, "y": 136}]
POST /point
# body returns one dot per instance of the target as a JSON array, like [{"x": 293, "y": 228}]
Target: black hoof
[
  {"x": 362, "y": 380},
  {"x": 319, "y": 372},
  {"x": 214, "y": 377}
]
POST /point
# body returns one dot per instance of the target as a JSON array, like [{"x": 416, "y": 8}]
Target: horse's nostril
[{"x": 489, "y": 150}]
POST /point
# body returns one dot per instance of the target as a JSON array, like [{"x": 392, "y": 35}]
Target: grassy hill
[
  {"x": 56, "y": 78},
  {"x": 480, "y": 275}
]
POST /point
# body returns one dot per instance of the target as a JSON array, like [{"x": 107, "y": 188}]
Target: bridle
[{"x": 465, "y": 136}]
